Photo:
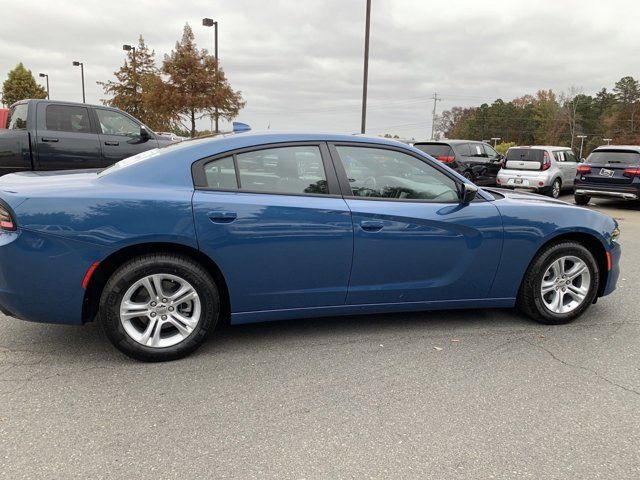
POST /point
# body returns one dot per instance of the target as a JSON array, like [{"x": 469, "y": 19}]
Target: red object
[
  {"x": 541, "y": 184},
  {"x": 87, "y": 276},
  {"x": 609, "y": 261},
  {"x": 497, "y": 180},
  {"x": 4, "y": 116},
  {"x": 446, "y": 159},
  {"x": 584, "y": 169},
  {"x": 546, "y": 165},
  {"x": 632, "y": 172}
]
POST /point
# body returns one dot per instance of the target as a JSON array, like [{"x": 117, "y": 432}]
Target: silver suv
[{"x": 542, "y": 169}]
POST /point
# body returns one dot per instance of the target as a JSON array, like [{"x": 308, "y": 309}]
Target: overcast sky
[{"x": 298, "y": 63}]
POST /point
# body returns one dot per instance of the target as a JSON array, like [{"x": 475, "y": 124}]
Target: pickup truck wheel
[
  {"x": 582, "y": 199},
  {"x": 159, "y": 307},
  {"x": 560, "y": 284}
]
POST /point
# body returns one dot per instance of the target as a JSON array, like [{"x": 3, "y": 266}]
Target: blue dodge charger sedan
[{"x": 252, "y": 227}]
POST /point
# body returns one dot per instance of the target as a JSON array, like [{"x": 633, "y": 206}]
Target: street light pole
[
  {"x": 208, "y": 22},
  {"x": 581, "y": 137},
  {"x": 495, "y": 141},
  {"x": 42, "y": 75},
  {"x": 367, "y": 28},
  {"x": 608, "y": 140},
  {"x": 81, "y": 65},
  {"x": 131, "y": 48}
]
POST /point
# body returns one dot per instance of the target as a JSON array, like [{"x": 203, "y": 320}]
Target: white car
[{"x": 542, "y": 169}]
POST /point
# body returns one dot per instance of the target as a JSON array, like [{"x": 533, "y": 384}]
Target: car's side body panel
[{"x": 277, "y": 251}]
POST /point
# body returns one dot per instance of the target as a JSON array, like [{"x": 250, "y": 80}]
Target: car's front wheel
[
  {"x": 560, "y": 284},
  {"x": 159, "y": 307}
]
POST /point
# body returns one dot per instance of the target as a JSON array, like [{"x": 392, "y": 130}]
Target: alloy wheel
[
  {"x": 160, "y": 310},
  {"x": 565, "y": 284}
]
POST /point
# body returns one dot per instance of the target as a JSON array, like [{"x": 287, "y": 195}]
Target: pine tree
[
  {"x": 137, "y": 87},
  {"x": 21, "y": 85},
  {"x": 196, "y": 85}
]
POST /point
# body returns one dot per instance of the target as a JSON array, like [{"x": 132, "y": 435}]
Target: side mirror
[
  {"x": 144, "y": 133},
  {"x": 468, "y": 192}
]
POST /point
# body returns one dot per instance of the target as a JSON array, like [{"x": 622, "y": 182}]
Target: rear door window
[
  {"x": 614, "y": 157},
  {"x": 463, "y": 149},
  {"x": 67, "y": 118}
]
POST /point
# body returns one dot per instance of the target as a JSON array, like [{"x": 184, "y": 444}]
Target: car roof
[
  {"x": 630, "y": 148},
  {"x": 542, "y": 147},
  {"x": 447, "y": 142}
]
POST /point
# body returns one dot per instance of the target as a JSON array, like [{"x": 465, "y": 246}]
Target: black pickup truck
[{"x": 53, "y": 135}]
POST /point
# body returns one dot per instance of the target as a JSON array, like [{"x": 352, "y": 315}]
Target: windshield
[{"x": 605, "y": 157}]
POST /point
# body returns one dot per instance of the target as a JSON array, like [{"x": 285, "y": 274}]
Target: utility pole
[
  {"x": 367, "y": 28},
  {"x": 209, "y": 22},
  {"x": 608, "y": 140},
  {"x": 495, "y": 141},
  {"x": 433, "y": 115},
  {"x": 43, "y": 75}
]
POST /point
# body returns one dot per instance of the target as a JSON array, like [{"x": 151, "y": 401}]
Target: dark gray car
[{"x": 52, "y": 135}]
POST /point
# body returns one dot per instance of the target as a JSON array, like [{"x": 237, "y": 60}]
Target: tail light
[
  {"x": 6, "y": 220},
  {"x": 632, "y": 172},
  {"x": 446, "y": 159},
  {"x": 584, "y": 169},
  {"x": 546, "y": 164}
]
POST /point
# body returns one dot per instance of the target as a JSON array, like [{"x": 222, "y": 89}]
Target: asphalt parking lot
[{"x": 470, "y": 394}]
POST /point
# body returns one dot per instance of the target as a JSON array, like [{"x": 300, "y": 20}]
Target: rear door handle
[
  {"x": 49, "y": 139},
  {"x": 112, "y": 143},
  {"x": 371, "y": 225},
  {"x": 222, "y": 217}
]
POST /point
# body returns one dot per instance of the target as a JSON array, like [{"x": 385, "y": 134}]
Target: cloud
[{"x": 299, "y": 63}]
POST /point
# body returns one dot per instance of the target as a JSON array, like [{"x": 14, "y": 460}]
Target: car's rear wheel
[
  {"x": 560, "y": 284},
  {"x": 159, "y": 307},
  {"x": 582, "y": 199},
  {"x": 556, "y": 188}
]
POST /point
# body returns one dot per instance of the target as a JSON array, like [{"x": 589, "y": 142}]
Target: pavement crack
[{"x": 581, "y": 367}]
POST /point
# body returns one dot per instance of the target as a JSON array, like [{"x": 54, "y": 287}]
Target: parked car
[
  {"x": 262, "y": 227},
  {"x": 609, "y": 172},
  {"x": 52, "y": 135},
  {"x": 541, "y": 169},
  {"x": 476, "y": 161}
]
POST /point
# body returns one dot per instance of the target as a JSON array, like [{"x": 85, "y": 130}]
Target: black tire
[
  {"x": 468, "y": 175},
  {"x": 582, "y": 199},
  {"x": 132, "y": 271},
  {"x": 530, "y": 299},
  {"x": 556, "y": 188}
]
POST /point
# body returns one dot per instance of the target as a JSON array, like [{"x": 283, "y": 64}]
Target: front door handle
[
  {"x": 111, "y": 143},
  {"x": 371, "y": 226},
  {"x": 49, "y": 139},
  {"x": 222, "y": 217}
]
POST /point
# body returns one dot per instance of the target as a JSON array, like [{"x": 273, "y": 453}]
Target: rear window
[
  {"x": 67, "y": 118},
  {"x": 525, "y": 155},
  {"x": 604, "y": 157},
  {"x": 18, "y": 117},
  {"x": 435, "y": 149}
]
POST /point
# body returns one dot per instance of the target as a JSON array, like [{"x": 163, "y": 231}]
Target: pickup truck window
[
  {"x": 114, "y": 123},
  {"x": 67, "y": 118},
  {"x": 18, "y": 117}
]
